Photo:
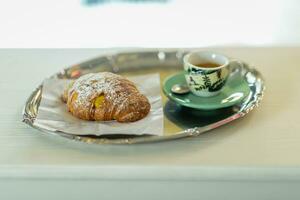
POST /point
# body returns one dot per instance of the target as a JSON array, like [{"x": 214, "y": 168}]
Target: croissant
[{"x": 105, "y": 96}]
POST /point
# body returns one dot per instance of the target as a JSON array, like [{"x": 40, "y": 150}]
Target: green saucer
[{"x": 235, "y": 90}]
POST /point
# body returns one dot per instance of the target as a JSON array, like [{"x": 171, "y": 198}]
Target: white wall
[{"x": 179, "y": 23}]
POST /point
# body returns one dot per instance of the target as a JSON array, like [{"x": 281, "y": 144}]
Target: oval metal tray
[{"x": 179, "y": 121}]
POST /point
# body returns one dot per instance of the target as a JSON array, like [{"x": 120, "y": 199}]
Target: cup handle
[{"x": 235, "y": 65}]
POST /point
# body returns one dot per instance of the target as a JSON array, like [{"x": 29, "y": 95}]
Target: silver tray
[{"x": 179, "y": 121}]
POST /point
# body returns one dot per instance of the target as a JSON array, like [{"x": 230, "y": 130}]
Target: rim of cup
[{"x": 213, "y": 54}]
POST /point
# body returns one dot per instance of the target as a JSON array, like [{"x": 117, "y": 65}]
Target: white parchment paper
[{"x": 53, "y": 113}]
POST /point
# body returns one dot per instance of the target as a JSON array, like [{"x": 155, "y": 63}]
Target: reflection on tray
[{"x": 189, "y": 118}]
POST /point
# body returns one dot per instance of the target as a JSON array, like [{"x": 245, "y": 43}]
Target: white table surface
[{"x": 256, "y": 156}]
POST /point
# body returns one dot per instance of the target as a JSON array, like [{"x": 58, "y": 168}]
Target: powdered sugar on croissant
[{"x": 106, "y": 96}]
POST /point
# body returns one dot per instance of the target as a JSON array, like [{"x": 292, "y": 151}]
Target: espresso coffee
[{"x": 208, "y": 65}]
